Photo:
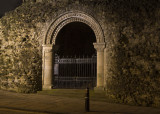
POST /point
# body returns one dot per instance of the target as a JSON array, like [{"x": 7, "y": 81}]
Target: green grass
[{"x": 75, "y": 93}]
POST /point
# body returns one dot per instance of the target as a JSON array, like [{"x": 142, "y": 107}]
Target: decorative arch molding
[
  {"x": 73, "y": 16},
  {"x": 49, "y": 45}
]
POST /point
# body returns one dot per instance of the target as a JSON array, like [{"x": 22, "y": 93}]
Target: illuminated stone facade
[{"x": 127, "y": 44}]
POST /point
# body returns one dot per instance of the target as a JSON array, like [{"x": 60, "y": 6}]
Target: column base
[
  {"x": 47, "y": 87},
  {"x": 99, "y": 89}
]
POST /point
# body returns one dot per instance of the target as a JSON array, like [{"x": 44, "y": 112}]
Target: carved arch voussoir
[{"x": 74, "y": 16}]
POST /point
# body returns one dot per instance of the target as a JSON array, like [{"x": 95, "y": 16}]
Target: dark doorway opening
[
  {"x": 76, "y": 39},
  {"x": 75, "y": 63}
]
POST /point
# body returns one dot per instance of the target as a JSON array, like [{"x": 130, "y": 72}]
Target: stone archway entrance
[
  {"x": 49, "y": 45},
  {"x": 75, "y": 57}
]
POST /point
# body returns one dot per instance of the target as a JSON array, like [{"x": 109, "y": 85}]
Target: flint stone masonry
[{"x": 128, "y": 64}]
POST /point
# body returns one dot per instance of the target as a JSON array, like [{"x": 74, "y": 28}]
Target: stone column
[
  {"x": 47, "y": 66},
  {"x": 100, "y": 65}
]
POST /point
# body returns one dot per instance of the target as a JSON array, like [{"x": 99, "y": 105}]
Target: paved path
[{"x": 16, "y": 103}]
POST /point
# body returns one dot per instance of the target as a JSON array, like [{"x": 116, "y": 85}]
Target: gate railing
[{"x": 75, "y": 72}]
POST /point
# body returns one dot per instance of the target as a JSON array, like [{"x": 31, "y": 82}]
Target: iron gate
[{"x": 75, "y": 72}]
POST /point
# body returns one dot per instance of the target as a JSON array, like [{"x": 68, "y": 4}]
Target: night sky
[{"x": 7, "y": 5}]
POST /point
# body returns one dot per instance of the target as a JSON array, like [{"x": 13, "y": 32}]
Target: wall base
[
  {"x": 99, "y": 89},
  {"x": 47, "y": 87}
]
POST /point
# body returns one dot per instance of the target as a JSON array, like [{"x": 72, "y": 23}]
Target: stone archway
[{"x": 49, "y": 45}]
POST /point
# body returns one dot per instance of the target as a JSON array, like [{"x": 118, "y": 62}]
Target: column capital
[
  {"x": 99, "y": 46},
  {"x": 48, "y": 47}
]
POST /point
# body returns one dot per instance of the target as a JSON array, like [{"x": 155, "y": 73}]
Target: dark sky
[{"x": 7, "y": 5}]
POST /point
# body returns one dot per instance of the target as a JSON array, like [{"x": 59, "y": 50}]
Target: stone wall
[
  {"x": 133, "y": 60},
  {"x": 132, "y": 36},
  {"x": 21, "y": 35},
  {"x": 21, "y": 45}
]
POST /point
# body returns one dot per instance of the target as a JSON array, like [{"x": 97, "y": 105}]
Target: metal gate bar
[{"x": 75, "y": 72}]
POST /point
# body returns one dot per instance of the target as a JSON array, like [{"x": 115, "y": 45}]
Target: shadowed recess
[{"x": 75, "y": 39}]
